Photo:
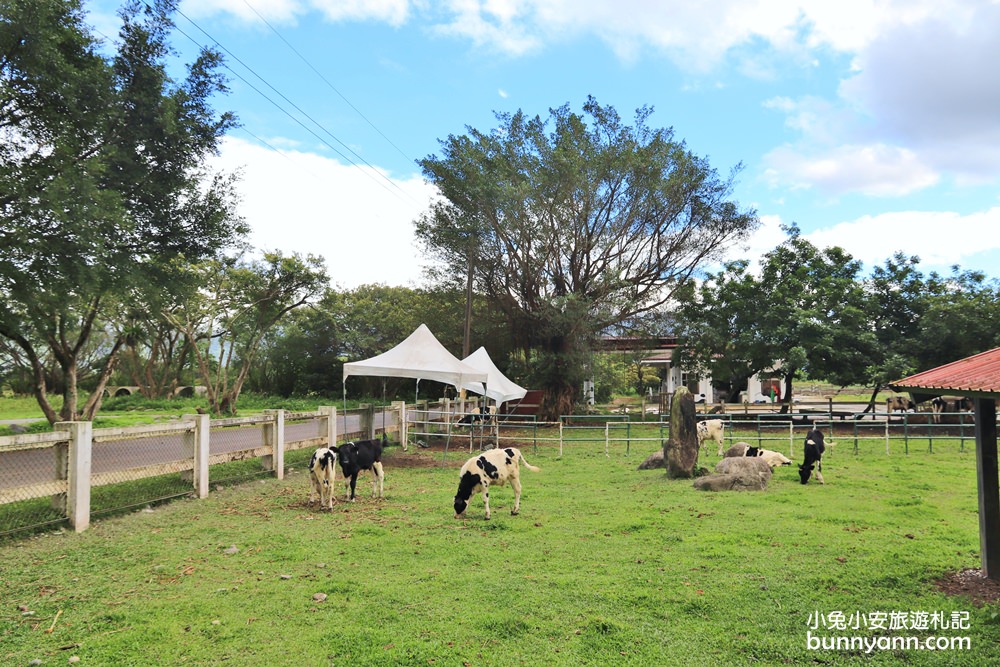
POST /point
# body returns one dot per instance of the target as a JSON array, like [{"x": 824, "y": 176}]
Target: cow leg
[
  {"x": 486, "y": 498},
  {"x": 819, "y": 473},
  {"x": 720, "y": 446},
  {"x": 515, "y": 484},
  {"x": 354, "y": 481},
  {"x": 379, "y": 481}
]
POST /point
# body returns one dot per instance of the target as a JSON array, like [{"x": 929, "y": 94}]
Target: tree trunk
[
  {"x": 871, "y": 401},
  {"x": 786, "y": 400},
  {"x": 681, "y": 451}
]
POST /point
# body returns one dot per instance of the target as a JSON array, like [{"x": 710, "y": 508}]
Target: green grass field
[{"x": 605, "y": 565}]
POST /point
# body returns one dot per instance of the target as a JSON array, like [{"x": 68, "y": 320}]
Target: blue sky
[{"x": 873, "y": 125}]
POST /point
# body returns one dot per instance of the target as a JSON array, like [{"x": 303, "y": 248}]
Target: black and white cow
[
  {"x": 495, "y": 467},
  {"x": 482, "y": 416},
  {"x": 323, "y": 476},
  {"x": 900, "y": 404},
  {"x": 814, "y": 454},
  {"x": 362, "y": 455},
  {"x": 773, "y": 459}
]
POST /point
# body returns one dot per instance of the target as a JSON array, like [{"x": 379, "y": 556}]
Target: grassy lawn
[{"x": 605, "y": 565}]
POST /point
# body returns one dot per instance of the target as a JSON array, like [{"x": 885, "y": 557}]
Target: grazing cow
[
  {"x": 481, "y": 416},
  {"x": 938, "y": 405},
  {"x": 711, "y": 429},
  {"x": 362, "y": 455},
  {"x": 899, "y": 404},
  {"x": 814, "y": 455},
  {"x": 773, "y": 459},
  {"x": 323, "y": 476},
  {"x": 495, "y": 467}
]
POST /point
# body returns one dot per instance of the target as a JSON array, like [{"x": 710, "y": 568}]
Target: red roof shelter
[{"x": 977, "y": 377}]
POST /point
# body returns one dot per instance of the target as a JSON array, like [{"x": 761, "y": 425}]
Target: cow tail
[{"x": 526, "y": 464}]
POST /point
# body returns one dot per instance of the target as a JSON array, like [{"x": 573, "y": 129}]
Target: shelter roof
[
  {"x": 978, "y": 375},
  {"x": 422, "y": 357},
  {"x": 498, "y": 386}
]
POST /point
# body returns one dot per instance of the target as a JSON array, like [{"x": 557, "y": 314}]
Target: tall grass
[{"x": 605, "y": 565}]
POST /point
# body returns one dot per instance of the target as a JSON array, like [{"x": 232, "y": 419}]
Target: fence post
[
  {"x": 274, "y": 437},
  {"x": 401, "y": 407},
  {"x": 77, "y": 457},
  {"x": 367, "y": 415},
  {"x": 196, "y": 444},
  {"x": 328, "y": 424}
]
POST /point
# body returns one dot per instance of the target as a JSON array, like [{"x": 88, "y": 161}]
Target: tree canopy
[
  {"x": 575, "y": 223},
  {"x": 103, "y": 187}
]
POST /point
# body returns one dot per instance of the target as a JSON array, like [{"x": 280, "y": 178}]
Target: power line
[
  {"x": 327, "y": 82},
  {"x": 300, "y": 110}
]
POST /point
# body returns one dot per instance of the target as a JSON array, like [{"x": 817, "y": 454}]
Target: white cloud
[
  {"x": 930, "y": 86},
  {"x": 939, "y": 238},
  {"x": 360, "y": 222},
  {"x": 394, "y": 12},
  {"x": 877, "y": 170},
  {"x": 920, "y": 106}
]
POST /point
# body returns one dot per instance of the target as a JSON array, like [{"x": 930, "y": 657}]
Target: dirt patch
[
  {"x": 424, "y": 458},
  {"x": 972, "y": 584}
]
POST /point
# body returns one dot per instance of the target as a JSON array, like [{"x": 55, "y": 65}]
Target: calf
[
  {"x": 480, "y": 417},
  {"x": 497, "y": 466},
  {"x": 362, "y": 455},
  {"x": 773, "y": 459},
  {"x": 323, "y": 476},
  {"x": 899, "y": 404},
  {"x": 711, "y": 429},
  {"x": 814, "y": 454}
]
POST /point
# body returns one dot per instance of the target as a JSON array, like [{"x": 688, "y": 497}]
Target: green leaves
[{"x": 580, "y": 222}]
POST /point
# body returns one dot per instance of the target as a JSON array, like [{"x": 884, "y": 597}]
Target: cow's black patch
[
  {"x": 466, "y": 485},
  {"x": 754, "y": 451},
  {"x": 507, "y": 461},
  {"x": 490, "y": 469},
  {"x": 509, "y": 452}
]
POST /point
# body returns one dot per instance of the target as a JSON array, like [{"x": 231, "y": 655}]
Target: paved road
[{"x": 33, "y": 466}]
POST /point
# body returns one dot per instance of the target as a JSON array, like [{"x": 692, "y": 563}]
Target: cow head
[
  {"x": 805, "y": 470},
  {"x": 466, "y": 485}
]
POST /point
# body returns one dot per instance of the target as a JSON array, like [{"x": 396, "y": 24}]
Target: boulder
[
  {"x": 739, "y": 449},
  {"x": 737, "y": 473},
  {"x": 653, "y": 461}
]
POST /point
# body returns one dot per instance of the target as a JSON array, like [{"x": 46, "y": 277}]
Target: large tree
[
  {"x": 238, "y": 302},
  {"x": 719, "y": 328},
  {"x": 815, "y": 319},
  {"x": 103, "y": 186},
  {"x": 575, "y": 223},
  {"x": 804, "y": 312}
]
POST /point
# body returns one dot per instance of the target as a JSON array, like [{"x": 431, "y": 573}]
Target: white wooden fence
[{"x": 69, "y": 462}]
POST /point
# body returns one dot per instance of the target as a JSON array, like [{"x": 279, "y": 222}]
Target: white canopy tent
[
  {"x": 498, "y": 386},
  {"x": 422, "y": 357}
]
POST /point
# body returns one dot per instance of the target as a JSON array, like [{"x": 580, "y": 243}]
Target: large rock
[
  {"x": 653, "y": 461},
  {"x": 737, "y": 474},
  {"x": 681, "y": 449},
  {"x": 739, "y": 449}
]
